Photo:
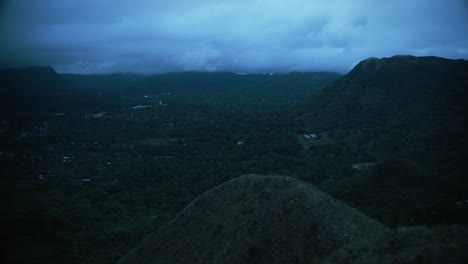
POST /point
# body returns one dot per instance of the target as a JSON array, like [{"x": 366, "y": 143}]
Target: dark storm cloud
[{"x": 243, "y": 35}]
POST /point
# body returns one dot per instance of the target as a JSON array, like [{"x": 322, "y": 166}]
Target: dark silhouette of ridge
[{"x": 30, "y": 89}]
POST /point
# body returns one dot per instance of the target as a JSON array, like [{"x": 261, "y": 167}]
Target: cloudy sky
[{"x": 147, "y": 36}]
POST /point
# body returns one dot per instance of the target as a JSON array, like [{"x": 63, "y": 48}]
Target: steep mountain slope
[
  {"x": 393, "y": 91},
  {"x": 407, "y": 119},
  {"x": 257, "y": 219}
]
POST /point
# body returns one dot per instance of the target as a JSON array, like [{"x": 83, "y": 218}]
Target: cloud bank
[{"x": 148, "y": 36}]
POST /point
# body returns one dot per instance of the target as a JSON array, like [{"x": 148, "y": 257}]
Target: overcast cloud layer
[{"x": 91, "y": 36}]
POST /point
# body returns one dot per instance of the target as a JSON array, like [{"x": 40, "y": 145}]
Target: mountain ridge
[
  {"x": 404, "y": 114},
  {"x": 404, "y": 77}
]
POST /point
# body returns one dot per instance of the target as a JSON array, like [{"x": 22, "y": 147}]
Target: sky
[{"x": 151, "y": 36}]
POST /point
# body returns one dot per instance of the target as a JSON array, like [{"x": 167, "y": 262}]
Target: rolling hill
[
  {"x": 256, "y": 219},
  {"x": 277, "y": 219}
]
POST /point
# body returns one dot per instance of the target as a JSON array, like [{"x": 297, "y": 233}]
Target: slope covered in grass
[
  {"x": 257, "y": 219},
  {"x": 278, "y": 219}
]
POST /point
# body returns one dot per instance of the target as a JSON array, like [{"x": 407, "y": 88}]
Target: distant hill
[
  {"x": 408, "y": 116},
  {"x": 256, "y": 219},
  {"x": 29, "y": 89},
  {"x": 209, "y": 86},
  {"x": 40, "y": 90},
  {"x": 29, "y": 80},
  {"x": 221, "y": 82}
]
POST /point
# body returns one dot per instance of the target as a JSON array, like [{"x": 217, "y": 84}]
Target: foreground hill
[
  {"x": 256, "y": 219},
  {"x": 396, "y": 130},
  {"x": 277, "y": 219}
]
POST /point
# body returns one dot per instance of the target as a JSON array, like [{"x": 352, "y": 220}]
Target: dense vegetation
[
  {"x": 92, "y": 164},
  {"x": 100, "y": 175}
]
